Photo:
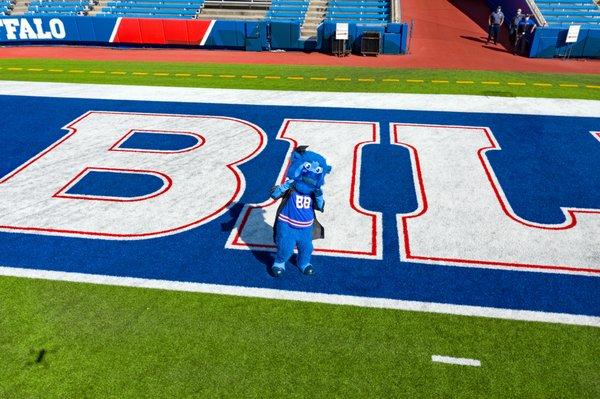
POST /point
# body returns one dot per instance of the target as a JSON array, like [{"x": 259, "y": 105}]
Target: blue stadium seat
[
  {"x": 294, "y": 10},
  {"x": 366, "y": 11},
  {"x": 566, "y": 12}
]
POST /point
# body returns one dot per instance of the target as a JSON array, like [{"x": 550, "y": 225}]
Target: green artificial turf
[
  {"x": 69, "y": 340},
  {"x": 104, "y": 341},
  {"x": 315, "y": 78}
]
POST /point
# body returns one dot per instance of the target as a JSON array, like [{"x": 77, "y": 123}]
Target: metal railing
[
  {"x": 395, "y": 10},
  {"x": 536, "y": 12}
]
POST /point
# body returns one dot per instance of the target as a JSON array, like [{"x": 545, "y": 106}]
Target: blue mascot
[{"x": 296, "y": 224}]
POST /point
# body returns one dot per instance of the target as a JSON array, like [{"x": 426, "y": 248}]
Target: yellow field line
[
  {"x": 205, "y": 75},
  {"x": 315, "y": 78}
]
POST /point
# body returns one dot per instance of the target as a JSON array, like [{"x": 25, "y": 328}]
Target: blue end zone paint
[
  {"x": 140, "y": 140},
  {"x": 111, "y": 184},
  {"x": 545, "y": 163}
]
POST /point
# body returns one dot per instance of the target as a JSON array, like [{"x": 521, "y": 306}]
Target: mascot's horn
[{"x": 301, "y": 149}]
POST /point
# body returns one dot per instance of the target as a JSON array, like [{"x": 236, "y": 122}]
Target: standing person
[
  {"x": 514, "y": 24},
  {"x": 525, "y": 31},
  {"x": 495, "y": 20}
]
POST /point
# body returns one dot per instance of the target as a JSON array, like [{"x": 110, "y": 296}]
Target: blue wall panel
[
  {"x": 285, "y": 35},
  {"x": 550, "y": 42},
  {"x": 392, "y": 43},
  {"x": 225, "y": 34},
  {"x": 228, "y": 34}
]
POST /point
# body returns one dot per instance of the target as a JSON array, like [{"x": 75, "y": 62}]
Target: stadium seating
[
  {"x": 562, "y": 13},
  {"x": 309, "y": 14},
  {"x": 59, "y": 7},
  {"x": 366, "y": 11},
  {"x": 6, "y": 7},
  {"x": 282, "y": 10},
  {"x": 152, "y": 8}
]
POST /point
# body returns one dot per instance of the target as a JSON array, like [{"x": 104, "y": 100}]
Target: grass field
[
  {"x": 103, "y": 341},
  {"x": 71, "y": 340},
  {"x": 312, "y": 78}
]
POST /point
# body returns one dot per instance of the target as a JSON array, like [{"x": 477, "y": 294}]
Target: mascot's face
[{"x": 308, "y": 170}]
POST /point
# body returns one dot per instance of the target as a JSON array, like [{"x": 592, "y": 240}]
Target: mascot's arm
[
  {"x": 278, "y": 191},
  {"x": 319, "y": 201}
]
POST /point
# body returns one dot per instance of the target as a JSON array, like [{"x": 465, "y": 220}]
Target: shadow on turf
[{"x": 266, "y": 258}]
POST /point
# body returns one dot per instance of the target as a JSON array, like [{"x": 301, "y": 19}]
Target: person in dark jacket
[{"x": 514, "y": 24}]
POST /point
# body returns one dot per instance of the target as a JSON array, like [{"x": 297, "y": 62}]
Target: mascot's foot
[
  {"x": 277, "y": 270},
  {"x": 309, "y": 270}
]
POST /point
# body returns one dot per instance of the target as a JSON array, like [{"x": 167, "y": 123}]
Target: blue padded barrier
[
  {"x": 549, "y": 42},
  {"x": 394, "y": 28},
  {"x": 285, "y": 35},
  {"x": 355, "y": 31},
  {"x": 249, "y": 35},
  {"x": 228, "y": 34},
  {"x": 392, "y": 43}
]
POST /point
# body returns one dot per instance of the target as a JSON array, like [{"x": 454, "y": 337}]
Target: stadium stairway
[
  {"x": 314, "y": 16},
  {"x": 98, "y": 8},
  {"x": 234, "y": 9},
  {"x": 20, "y": 7}
]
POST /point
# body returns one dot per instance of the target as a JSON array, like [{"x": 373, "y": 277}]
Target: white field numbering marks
[{"x": 461, "y": 361}]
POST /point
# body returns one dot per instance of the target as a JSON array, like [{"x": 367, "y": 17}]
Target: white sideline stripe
[
  {"x": 456, "y": 360},
  {"x": 394, "y": 101},
  {"x": 207, "y": 33},
  {"x": 115, "y": 29},
  {"x": 334, "y": 299}
]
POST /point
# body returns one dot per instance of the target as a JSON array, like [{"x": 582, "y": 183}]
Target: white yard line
[
  {"x": 393, "y": 101},
  {"x": 456, "y": 360},
  {"x": 268, "y": 293}
]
